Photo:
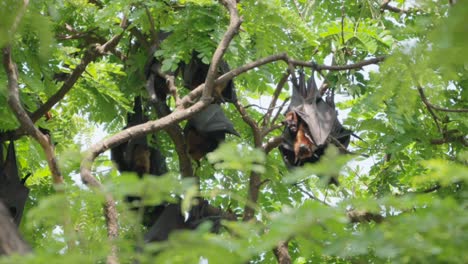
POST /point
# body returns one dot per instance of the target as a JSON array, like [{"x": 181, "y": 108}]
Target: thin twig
[
  {"x": 276, "y": 94},
  {"x": 90, "y": 55},
  {"x": 429, "y": 104},
  {"x": 280, "y": 110},
  {"x": 195, "y": 93}
]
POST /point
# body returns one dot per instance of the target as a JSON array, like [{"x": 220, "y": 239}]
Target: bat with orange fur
[{"x": 310, "y": 123}]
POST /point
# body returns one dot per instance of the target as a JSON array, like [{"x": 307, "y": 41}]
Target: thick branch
[
  {"x": 233, "y": 27},
  {"x": 26, "y": 123},
  {"x": 356, "y": 216},
  {"x": 271, "y": 144},
  {"x": 281, "y": 253},
  {"x": 254, "y": 180},
  {"x": 175, "y": 133},
  {"x": 133, "y": 132}
]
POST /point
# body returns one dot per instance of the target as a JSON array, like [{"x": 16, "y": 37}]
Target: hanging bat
[
  {"x": 194, "y": 74},
  {"x": 206, "y": 129},
  {"x": 171, "y": 219},
  {"x": 13, "y": 193},
  {"x": 311, "y": 123},
  {"x": 136, "y": 155}
]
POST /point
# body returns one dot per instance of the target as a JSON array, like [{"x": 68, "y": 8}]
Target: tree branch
[
  {"x": 26, "y": 123},
  {"x": 195, "y": 93},
  {"x": 281, "y": 253},
  {"x": 356, "y": 216},
  {"x": 271, "y": 144},
  {"x": 234, "y": 24},
  {"x": 428, "y": 104},
  {"x": 279, "y": 88},
  {"x": 175, "y": 133},
  {"x": 91, "y": 54},
  {"x": 155, "y": 125}
]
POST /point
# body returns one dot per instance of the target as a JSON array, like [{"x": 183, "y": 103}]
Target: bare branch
[
  {"x": 280, "y": 110},
  {"x": 19, "y": 16},
  {"x": 195, "y": 93},
  {"x": 342, "y": 23},
  {"x": 254, "y": 179},
  {"x": 175, "y": 133},
  {"x": 424, "y": 99},
  {"x": 26, "y": 123},
  {"x": 170, "y": 84},
  {"x": 154, "y": 34},
  {"x": 281, "y": 253},
  {"x": 356, "y": 216},
  {"x": 251, "y": 122},
  {"x": 234, "y": 24},
  {"x": 271, "y": 144},
  {"x": 357, "y": 65},
  {"x": 266, "y": 131},
  {"x": 385, "y": 6},
  {"x": 428, "y": 104},
  {"x": 276, "y": 94},
  {"x": 436, "y": 119}
]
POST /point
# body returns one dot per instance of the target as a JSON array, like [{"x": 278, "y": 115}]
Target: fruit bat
[
  {"x": 172, "y": 219},
  {"x": 311, "y": 123},
  {"x": 205, "y": 130},
  {"x": 13, "y": 193},
  {"x": 194, "y": 74},
  {"x": 136, "y": 155}
]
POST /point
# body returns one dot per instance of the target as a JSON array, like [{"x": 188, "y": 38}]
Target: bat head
[
  {"x": 291, "y": 121},
  {"x": 303, "y": 145}
]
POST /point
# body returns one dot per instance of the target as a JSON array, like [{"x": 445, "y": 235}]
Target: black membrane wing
[
  {"x": 319, "y": 118},
  {"x": 212, "y": 119},
  {"x": 316, "y": 113},
  {"x": 13, "y": 193},
  {"x": 194, "y": 74}
]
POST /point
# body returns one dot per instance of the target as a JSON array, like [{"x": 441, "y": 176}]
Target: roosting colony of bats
[{"x": 311, "y": 124}]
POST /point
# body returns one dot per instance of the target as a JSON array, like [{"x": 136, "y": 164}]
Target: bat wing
[
  {"x": 287, "y": 148},
  {"x": 194, "y": 74},
  {"x": 212, "y": 119},
  {"x": 169, "y": 220},
  {"x": 320, "y": 118},
  {"x": 12, "y": 191},
  {"x": 158, "y": 162}
]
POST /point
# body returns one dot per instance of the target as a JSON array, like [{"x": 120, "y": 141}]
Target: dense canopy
[{"x": 202, "y": 131}]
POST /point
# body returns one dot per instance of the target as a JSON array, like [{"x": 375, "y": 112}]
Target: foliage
[{"x": 415, "y": 176}]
